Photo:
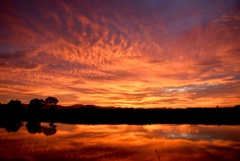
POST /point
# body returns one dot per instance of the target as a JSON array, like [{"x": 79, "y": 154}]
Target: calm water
[{"x": 120, "y": 142}]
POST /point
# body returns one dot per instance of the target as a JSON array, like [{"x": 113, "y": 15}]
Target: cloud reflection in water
[{"x": 124, "y": 142}]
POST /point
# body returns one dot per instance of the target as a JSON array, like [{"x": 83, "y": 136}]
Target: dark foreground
[{"x": 219, "y": 116}]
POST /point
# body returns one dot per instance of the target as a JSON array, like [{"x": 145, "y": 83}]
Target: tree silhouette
[
  {"x": 237, "y": 106},
  {"x": 52, "y": 101},
  {"x": 15, "y": 105},
  {"x": 36, "y": 103}
]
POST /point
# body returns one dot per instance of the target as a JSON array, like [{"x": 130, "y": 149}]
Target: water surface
[{"x": 120, "y": 142}]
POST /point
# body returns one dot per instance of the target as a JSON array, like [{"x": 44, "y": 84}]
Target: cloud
[{"x": 122, "y": 48}]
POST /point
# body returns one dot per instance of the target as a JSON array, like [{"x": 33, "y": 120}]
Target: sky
[{"x": 128, "y": 53}]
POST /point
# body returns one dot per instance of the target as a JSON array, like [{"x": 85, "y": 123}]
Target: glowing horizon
[{"x": 135, "y": 53}]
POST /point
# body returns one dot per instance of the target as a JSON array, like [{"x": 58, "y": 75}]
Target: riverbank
[{"x": 220, "y": 116}]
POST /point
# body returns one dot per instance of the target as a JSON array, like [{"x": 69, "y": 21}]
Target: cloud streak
[{"x": 113, "y": 53}]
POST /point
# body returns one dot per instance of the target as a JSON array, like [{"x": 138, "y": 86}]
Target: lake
[{"x": 158, "y": 142}]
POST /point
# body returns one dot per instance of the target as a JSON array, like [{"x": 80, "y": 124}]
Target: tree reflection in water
[
  {"x": 34, "y": 127},
  {"x": 51, "y": 130},
  {"x": 13, "y": 125}
]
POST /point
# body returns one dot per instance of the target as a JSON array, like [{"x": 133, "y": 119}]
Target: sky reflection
[{"x": 123, "y": 142}]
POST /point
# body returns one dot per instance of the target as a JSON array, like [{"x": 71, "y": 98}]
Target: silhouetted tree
[
  {"x": 2, "y": 106},
  {"x": 237, "y": 106},
  {"x": 52, "y": 101},
  {"x": 36, "y": 103},
  {"x": 15, "y": 105}
]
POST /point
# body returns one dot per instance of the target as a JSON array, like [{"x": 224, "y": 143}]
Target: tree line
[{"x": 34, "y": 103}]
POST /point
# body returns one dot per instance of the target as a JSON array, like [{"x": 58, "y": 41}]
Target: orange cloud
[{"x": 143, "y": 54}]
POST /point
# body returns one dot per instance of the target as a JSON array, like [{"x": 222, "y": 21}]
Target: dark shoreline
[{"x": 211, "y": 116}]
